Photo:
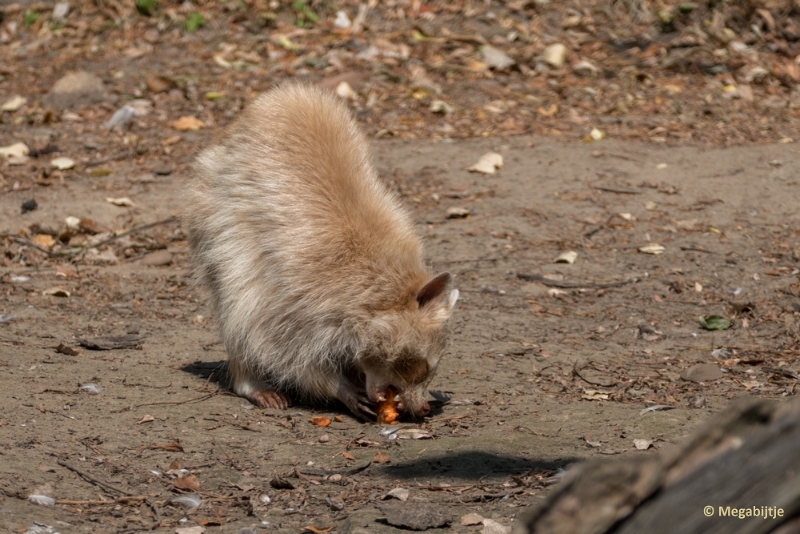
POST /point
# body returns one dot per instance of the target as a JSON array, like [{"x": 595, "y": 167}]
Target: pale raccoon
[{"x": 314, "y": 270}]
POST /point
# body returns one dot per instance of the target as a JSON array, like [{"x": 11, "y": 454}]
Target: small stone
[
  {"x": 335, "y": 478},
  {"x": 63, "y": 163},
  {"x": 60, "y": 11},
  {"x": 440, "y": 106},
  {"x": 471, "y": 519},
  {"x": 157, "y": 258},
  {"x": 344, "y": 90},
  {"x": 158, "y": 84},
  {"x": 491, "y": 526},
  {"x": 14, "y": 103},
  {"x": 17, "y": 150},
  {"x": 555, "y": 55},
  {"x": 703, "y": 372},
  {"x": 162, "y": 171},
  {"x": 420, "y": 516},
  {"x": 342, "y": 20},
  {"x": 73, "y": 223},
  {"x": 496, "y": 58},
  {"x": 29, "y": 205},
  {"x": 121, "y": 118},
  {"x": 756, "y": 74},
  {"x": 324, "y": 438},
  {"x": 76, "y": 89},
  {"x": 457, "y": 213},
  {"x": 584, "y": 68}
]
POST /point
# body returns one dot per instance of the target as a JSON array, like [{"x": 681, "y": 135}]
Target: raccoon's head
[{"x": 404, "y": 344}]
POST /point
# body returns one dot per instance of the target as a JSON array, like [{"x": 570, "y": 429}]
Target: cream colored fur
[{"x": 313, "y": 267}]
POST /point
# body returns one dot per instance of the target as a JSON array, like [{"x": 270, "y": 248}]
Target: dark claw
[{"x": 367, "y": 409}]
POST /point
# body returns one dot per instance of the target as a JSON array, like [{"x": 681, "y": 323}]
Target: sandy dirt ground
[
  {"x": 114, "y": 407},
  {"x": 549, "y": 363}
]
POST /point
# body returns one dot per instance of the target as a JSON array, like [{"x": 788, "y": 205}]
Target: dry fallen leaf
[
  {"x": 316, "y": 530},
  {"x": 400, "y": 494},
  {"x": 43, "y": 240},
  {"x": 320, "y": 420},
  {"x": 122, "y": 201},
  {"x": 187, "y": 483},
  {"x": 488, "y": 163},
  {"x": 348, "y": 456},
  {"x": 381, "y": 458},
  {"x": 642, "y": 444},
  {"x": 187, "y": 123},
  {"x": 568, "y": 256},
  {"x": 56, "y": 292},
  {"x": 197, "y": 529},
  {"x": 172, "y": 446},
  {"x": 652, "y": 248},
  {"x": 146, "y": 419},
  {"x": 592, "y": 394}
]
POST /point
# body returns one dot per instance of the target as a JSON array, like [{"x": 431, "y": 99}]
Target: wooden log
[{"x": 739, "y": 473}]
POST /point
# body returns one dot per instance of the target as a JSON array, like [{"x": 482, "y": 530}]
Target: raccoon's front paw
[
  {"x": 356, "y": 401},
  {"x": 270, "y": 399}
]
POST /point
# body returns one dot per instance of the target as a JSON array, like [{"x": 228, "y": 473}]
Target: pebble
[
  {"x": 495, "y": 58},
  {"x": 702, "y": 373},
  {"x": 76, "y": 89},
  {"x": 457, "y": 213},
  {"x": 29, "y": 205},
  {"x": 158, "y": 258},
  {"x": 584, "y": 68},
  {"x": 555, "y": 55},
  {"x": 324, "y": 438}
]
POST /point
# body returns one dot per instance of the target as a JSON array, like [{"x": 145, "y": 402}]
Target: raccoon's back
[{"x": 289, "y": 207}]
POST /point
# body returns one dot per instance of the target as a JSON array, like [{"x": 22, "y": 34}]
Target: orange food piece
[
  {"x": 387, "y": 410},
  {"x": 320, "y": 420}
]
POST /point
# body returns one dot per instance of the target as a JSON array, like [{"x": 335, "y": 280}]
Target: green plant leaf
[
  {"x": 714, "y": 322},
  {"x": 194, "y": 21},
  {"x": 146, "y": 7},
  {"x": 30, "y": 17}
]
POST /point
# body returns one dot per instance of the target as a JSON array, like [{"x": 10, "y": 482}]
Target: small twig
[
  {"x": 157, "y": 522},
  {"x": 590, "y": 233},
  {"x": 619, "y": 190},
  {"x": 189, "y": 401},
  {"x": 468, "y": 261},
  {"x": 132, "y": 499},
  {"x": 23, "y": 241},
  {"x": 577, "y": 372},
  {"x": 131, "y": 231},
  {"x": 573, "y": 285},
  {"x": 93, "y": 480},
  {"x": 787, "y": 373},
  {"x": 697, "y": 249},
  {"x": 326, "y": 472}
]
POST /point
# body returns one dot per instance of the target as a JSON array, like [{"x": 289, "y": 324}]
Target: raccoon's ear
[{"x": 437, "y": 291}]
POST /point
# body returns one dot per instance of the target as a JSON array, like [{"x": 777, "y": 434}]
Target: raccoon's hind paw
[{"x": 270, "y": 399}]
